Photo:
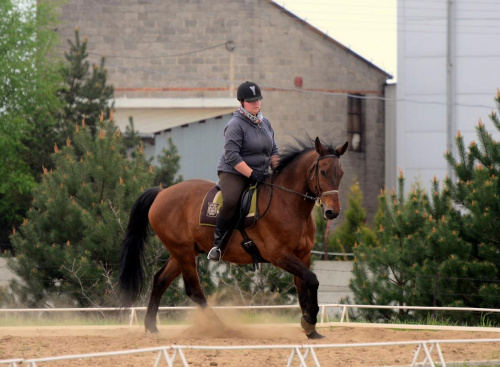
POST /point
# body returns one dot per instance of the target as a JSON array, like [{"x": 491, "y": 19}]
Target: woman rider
[{"x": 249, "y": 150}]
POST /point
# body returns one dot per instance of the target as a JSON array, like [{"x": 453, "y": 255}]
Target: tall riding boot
[{"x": 223, "y": 229}]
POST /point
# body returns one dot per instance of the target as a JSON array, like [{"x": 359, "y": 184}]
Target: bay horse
[{"x": 284, "y": 234}]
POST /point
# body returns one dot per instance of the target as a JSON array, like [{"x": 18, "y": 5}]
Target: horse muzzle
[{"x": 330, "y": 213}]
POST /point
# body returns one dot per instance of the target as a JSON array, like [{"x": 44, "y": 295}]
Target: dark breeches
[{"x": 231, "y": 187}]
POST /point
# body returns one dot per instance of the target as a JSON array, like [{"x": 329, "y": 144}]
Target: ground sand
[{"x": 37, "y": 342}]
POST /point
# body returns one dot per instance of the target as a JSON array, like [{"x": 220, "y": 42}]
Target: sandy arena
[{"x": 37, "y": 342}]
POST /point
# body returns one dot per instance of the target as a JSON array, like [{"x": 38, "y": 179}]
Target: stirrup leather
[{"x": 214, "y": 254}]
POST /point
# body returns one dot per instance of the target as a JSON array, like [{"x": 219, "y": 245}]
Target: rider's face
[{"x": 252, "y": 107}]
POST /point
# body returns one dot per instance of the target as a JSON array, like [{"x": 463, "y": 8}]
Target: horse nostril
[{"x": 330, "y": 214}]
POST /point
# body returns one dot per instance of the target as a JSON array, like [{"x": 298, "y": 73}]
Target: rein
[
  {"x": 305, "y": 196},
  {"x": 316, "y": 198}
]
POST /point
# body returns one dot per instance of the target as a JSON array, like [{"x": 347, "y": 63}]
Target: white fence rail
[
  {"x": 424, "y": 352},
  {"x": 323, "y": 315}
]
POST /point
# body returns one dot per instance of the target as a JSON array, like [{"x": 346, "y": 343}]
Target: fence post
[
  {"x": 133, "y": 317},
  {"x": 344, "y": 312},
  {"x": 322, "y": 315}
]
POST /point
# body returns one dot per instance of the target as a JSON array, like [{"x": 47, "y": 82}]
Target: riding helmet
[{"x": 249, "y": 92}]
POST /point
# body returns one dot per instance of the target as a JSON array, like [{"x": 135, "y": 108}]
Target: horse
[{"x": 284, "y": 234}]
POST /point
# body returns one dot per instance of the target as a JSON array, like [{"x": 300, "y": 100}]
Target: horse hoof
[
  {"x": 151, "y": 329},
  {"x": 315, "y": 335}
]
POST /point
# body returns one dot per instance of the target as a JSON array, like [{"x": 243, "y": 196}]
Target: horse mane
[{"x": 296, "y": 149}]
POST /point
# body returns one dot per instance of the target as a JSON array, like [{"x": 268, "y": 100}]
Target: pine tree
[
  {"x": 169, "y": 165},
  {"x": 441, "y": 256},
  {"x": 85, "y": 93},
  {"x": 416, "y": 257},
  {"x": 322, "y": 230},
  {"x": 476, "y": 190},
  {"x": 67, "y": 247},
  {"x": 383, "y": 273},
  {"x": 346, "y": 235},
  {"x": 131, "y": 137}
]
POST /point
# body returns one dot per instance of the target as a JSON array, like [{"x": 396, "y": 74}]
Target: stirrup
[{"x": 214, "y": 254}]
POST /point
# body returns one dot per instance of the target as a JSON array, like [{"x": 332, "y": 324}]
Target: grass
[
  {"x": 60, "y": 319},
  {"x": 183, "y": 317},
  {"x": 428, "y": 321},
  {"x": 12, "y": 319}
]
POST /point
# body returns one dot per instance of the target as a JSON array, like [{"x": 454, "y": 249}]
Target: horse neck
[{"x": 295, "y": 177}]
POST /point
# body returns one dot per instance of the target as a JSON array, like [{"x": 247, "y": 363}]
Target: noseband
[{"x": 317, "y": 188}]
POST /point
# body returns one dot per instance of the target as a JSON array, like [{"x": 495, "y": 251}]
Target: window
[{"x": 355, "y": 123}]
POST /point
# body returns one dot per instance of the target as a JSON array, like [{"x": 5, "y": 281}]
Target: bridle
[
  {"x": 317, "y": 188},
  {"x": 316, "y": 198}
]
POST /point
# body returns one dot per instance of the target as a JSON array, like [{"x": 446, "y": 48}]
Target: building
[
  {"x": 176, "y": 65},
  {"x": 447, "y": 79}
]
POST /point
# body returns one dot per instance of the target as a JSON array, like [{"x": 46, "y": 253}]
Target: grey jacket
[{"x": 249, "y": 142}]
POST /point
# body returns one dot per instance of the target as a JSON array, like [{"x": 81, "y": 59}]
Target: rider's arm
[{"x": 243, "y": 168}]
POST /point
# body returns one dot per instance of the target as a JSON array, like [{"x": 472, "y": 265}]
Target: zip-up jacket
[{"x": 247, "y": 141}]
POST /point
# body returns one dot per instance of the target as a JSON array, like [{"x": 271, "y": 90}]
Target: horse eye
[{"x": 323, "y": 172}]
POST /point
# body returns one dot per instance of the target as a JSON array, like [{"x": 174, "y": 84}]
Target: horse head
[{"x": 325, "y": 177}]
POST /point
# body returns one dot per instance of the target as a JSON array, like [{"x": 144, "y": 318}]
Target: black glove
[{"x": 257, "y": 175}]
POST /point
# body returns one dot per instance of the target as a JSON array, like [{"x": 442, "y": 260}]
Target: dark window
[{"x": 355, "y": 123}]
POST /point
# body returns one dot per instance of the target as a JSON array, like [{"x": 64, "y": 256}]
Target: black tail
[{"x": 130, "y": 277}]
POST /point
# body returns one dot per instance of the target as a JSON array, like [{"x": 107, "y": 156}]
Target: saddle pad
[{"x": 212, "y": 203}]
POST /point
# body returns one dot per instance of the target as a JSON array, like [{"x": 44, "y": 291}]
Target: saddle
[
  {"x": 213, "y": 201},
  {"x": 248, "y": 214}
]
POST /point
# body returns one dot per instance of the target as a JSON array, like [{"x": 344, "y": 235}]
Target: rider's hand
[
  {"x": 275, "y": 160},
  {"x": 257, "y": 175}
]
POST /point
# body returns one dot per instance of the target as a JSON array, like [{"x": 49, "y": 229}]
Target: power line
[{"x": 154, "y": 57}]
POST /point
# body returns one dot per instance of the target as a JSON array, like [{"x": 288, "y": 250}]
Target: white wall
[
  {"x": 422, "y": 129},
  {"x": 334, "y": 277},
  {"x": 6, "y": 275}
]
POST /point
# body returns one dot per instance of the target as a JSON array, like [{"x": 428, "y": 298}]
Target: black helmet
[{"x": 249, "y": 92}]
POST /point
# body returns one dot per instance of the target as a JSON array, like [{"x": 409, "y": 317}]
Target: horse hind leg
[
  {"x": 195, "y": 293},
  {"x": 162, "y": 280}
]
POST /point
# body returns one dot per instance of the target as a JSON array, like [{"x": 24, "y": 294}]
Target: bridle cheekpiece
[{"x": 317, "y": 188}]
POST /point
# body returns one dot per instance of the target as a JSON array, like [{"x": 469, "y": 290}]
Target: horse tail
[{"x": 131, "y": 275}]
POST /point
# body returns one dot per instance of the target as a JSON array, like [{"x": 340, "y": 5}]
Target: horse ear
[
  {"x": 319, "y": 147},
  {"x": 341, "y": 150}
]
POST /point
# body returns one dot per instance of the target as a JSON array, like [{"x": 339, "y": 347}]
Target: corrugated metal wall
[
  {"x": 199, "y": 145},
  {"x": 447, "y": 79}
]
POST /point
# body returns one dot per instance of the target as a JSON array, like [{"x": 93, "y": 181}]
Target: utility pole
[{"x": 450, "y": 81}]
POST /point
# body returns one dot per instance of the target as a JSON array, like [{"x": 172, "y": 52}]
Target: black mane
[{"x": 299, "y": 147}]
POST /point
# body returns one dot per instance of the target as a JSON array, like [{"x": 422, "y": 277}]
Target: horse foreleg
[
  {"x": 162, "y": 280},
  {"x": 302, "y": 293},
  {"x": 308, "y": 282},
  {"x": 301, "y": 286}
]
